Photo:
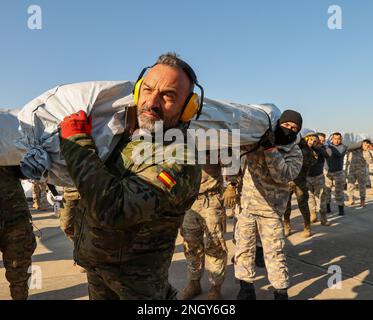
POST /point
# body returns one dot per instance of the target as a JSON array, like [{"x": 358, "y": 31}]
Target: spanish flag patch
[{"x": 167, "y": 180}]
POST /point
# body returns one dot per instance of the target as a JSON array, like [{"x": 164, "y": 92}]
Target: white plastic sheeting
[
  {"x": 107, "y": 102},
  {"x": 9, "y": 154},
  {"x": 251, "y": 119}
]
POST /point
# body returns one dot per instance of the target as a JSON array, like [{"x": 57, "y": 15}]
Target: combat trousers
[
  {"x": 17, "y": 243},
  {"x": 113, "y": 285},
  {"x": 206, "y": 217},
  {"x": 39, "y": 194},
  {"x": 360, "y": 177},
  {"x": 339, "y": 180},
  {"x": 271, "y": 232},
  {"x": 316, "y": 187},
  {"x": 301, "y": 193},
  {"x": 69, "y": 211}
]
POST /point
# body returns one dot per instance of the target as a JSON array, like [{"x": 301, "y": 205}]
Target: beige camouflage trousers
[
  {"x": 337, "y": 179},
  {"x": 359, "y": 176},
  {"x": 68, "y": 213},
  {"x": 271, "y": 233},
  {"x": 39, "y": 195},
  {"x": 316, "y": 187},
  {"x": 206, "y": 217}
]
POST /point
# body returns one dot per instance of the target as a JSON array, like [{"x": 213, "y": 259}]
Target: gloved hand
[
  {"x": 229, "y": 196},
  {"x": 268, "y": 140},
  {"x": 75, "y": 124}
]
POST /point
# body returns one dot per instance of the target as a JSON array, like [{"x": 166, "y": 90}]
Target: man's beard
[{"x": 148, "y": 123}]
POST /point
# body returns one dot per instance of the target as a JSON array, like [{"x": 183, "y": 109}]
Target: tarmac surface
[{"x": 346, "y": 247}]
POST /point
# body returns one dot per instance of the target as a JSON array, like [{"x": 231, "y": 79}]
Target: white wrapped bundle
[
  {"x": 251, "y": 120},
  {"x": 106, "y": 101},
  {"x": 9, "y": 154}
]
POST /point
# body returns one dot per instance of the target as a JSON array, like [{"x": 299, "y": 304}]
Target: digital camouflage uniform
[
  {"x": 17, "y": 240},
  {"x": 370, "y": 168},
  {"x": 130, "y": 218},
  {"x": 69, "y": 211},
  {"x": 299, "y": 185},
  {"x": 336, "y": 178},
  {"x": 316, "y": 183},
  {"x": 265, "y": 195},
  {"x": 206, "y": 217},
  {"x": 357, "y": 162},
  {"x": 39, "y": 195},
  {"x": 316, "y": 186}
]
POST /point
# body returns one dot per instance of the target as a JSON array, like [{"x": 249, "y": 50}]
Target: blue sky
[{"x": 245, "y": 51}]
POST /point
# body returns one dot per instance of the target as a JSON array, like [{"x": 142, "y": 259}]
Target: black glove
[{"x": 268, "y": 140}]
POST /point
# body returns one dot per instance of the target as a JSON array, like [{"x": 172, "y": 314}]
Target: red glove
[{"x": 76, "y": 123}]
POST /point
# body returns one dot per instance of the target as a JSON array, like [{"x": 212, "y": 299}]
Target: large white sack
[
  {"x": 252, "y": 121},
  {"x": 10, "y": 155},
  {"x": 106, "y": 101}
]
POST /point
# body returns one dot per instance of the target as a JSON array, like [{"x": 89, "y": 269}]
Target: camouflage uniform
[
  {"x": 17, "y": 240},
  {"x": 338, "y": 180},
  {"x": 39, "y": 195},
  {"x": 335, "y": 176},
  {"x": 69, "y": 210},
  {"x": 370, "y": 168},
  {"x": 316, "y": 186},
  {"x": 265, "y": 195},
  {"x": 316, "y": 183},
  {"x": 357, "y": 161},
  {"x": 299, "y": 185},
  {"x": 130, "y": 218},
  {"x": 207, "y": 216}
]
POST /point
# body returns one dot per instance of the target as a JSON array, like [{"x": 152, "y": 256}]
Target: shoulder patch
[{"x": 166, "y": 179}]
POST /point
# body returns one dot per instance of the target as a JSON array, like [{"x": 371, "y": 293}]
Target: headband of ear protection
[{"x": 193, "y": 103}]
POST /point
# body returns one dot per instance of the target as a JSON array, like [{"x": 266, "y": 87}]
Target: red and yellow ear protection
[{"x": 193, "y": 104}]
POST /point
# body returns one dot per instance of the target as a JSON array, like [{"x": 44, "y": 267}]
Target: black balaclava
[{"x": 285, "y": 136}]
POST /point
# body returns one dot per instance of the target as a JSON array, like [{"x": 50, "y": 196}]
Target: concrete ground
[{"x": 347, "y": 244}]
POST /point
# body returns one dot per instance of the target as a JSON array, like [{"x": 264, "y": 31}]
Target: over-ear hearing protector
[{"x": 193, "y": 104}]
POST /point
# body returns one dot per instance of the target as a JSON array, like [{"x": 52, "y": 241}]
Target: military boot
[
  {"x": 287, "y": 228},
  {"x": 328, "y": 208},
  {"x": 324, "y": 220},
  {"x": 313, "y": 216},
  {"x": 281, "y": 294},
  {"x": 362, "y": 203},
  {"x": 247, "y": 291},
  {"x": 214, "y": 293},
  {"x": 307, "y": 231},
  {"x": 259, "y": 257},
  {"x": 341, "y": 210},
  {"x": 192, "y": 290},
  {"x": 19, "y": 292}
]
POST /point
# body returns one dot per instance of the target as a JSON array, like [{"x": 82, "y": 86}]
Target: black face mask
[{"x": 284, "y": 136}]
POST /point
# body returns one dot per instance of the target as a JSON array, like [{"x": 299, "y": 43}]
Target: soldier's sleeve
[
  {"x": 349, "y": 158},
  {"x": 121, "y": 203},
  {"x": 368, "y": 157},
  {"x": 322, "y": 151},
  {"x": 354, "y": 146},
  {"x": 284, "y": 169},
  {"x": 329, "y": 151},
  {"x": 233, "y": 179}
]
